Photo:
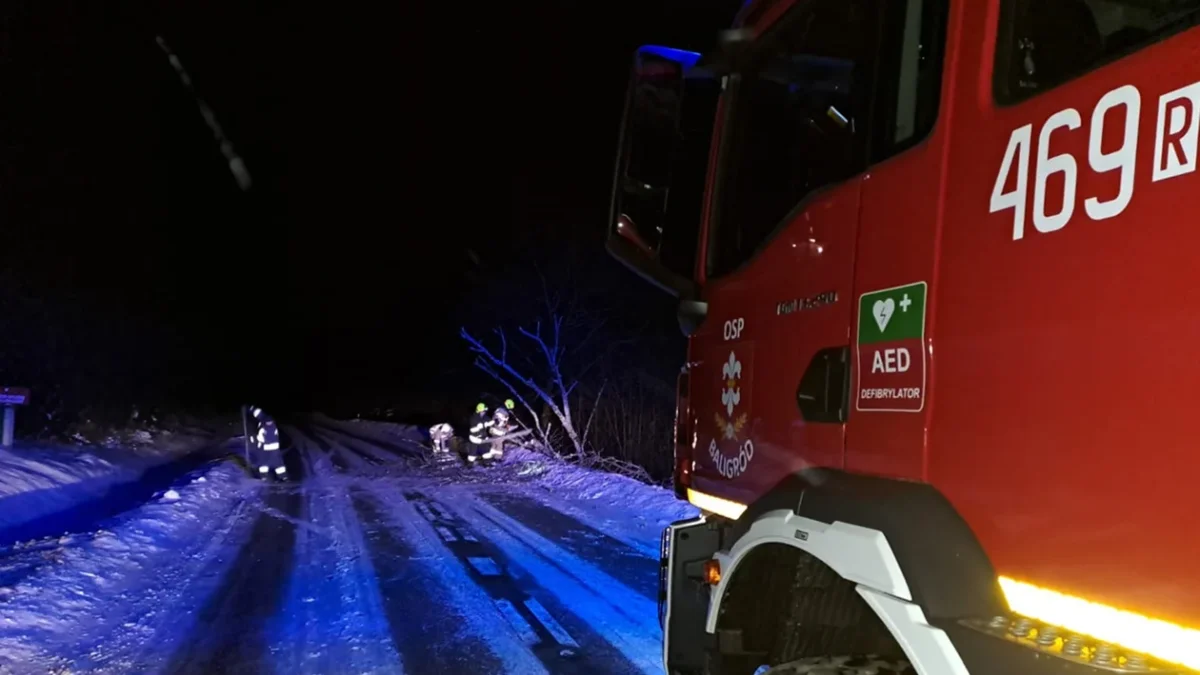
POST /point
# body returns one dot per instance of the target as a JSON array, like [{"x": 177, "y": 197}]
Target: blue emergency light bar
[{"x": 685, "y": 58}]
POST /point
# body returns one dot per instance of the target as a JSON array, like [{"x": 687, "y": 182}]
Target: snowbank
[
  {"x": 39, "y": 480},
  {"x": 602, "y": 496},
  {"x": 628, "y": 509},
  {"x": 387, "y": 431},
  {"x": 61, "y": 617},
  {"x": 574, "y": 482}
]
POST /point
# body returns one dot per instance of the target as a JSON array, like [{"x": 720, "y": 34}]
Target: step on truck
[{"x": 938, "y": 262}]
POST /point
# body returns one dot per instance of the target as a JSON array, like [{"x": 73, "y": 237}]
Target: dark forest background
[{"x": 417, "y": 169}]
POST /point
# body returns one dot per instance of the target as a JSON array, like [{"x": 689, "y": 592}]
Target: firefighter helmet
[
  {"x": 508, "y": 403},
  {"x": 480, "y": 407}
]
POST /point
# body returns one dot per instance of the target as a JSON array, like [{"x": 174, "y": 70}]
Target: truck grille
[{"x": 664, "y": 572}]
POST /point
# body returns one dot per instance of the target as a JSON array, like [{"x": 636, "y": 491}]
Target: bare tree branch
[
  {"x": 541, "y": 432},
  {"x": 568, "y": 367},
  {"x": 487, "y": 361},
  {"x": 592, "y": 415}
]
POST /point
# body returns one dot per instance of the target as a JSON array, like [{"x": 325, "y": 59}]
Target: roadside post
[
  {"x": 11, "y": 397},
  {"x": 245, "y": 436}
]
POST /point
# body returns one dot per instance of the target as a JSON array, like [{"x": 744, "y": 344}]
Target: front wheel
[{"x": 842, "y": 665}]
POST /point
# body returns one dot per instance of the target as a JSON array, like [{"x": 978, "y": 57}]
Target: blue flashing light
[{"x": 685, "y": 58}]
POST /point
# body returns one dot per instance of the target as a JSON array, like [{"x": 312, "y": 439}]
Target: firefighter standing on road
[
  {"x": 481, "y": 422},
  {"x": 267, "y": 455}
]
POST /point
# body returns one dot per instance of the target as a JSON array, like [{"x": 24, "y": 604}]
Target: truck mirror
[
  {"x": 651, "y": 131},
  {"x": 657, "y": 165},
  {"x": 734, "y": 55}
]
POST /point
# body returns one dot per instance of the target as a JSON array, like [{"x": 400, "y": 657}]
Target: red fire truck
[{"x": 936, "y": 266}]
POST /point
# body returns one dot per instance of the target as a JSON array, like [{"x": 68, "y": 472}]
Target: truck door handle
[{"x": 824, "y": 391}]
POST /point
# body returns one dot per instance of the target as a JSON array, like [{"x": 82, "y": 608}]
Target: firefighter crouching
[
  {"x": 481, "y": 422},
  {"x": 439, "y": 437},
  {"x": 501, "y": 426},
  {"x": 267, "y": 456}
]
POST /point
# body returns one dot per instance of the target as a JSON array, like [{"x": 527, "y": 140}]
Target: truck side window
[
  {"x": 909, "y": 89},
  {"x": 1044, "y": 43},
  {"x": 837, "y": 82}
]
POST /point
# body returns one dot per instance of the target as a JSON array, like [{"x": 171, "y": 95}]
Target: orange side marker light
[{"x": 712, "y": 572}]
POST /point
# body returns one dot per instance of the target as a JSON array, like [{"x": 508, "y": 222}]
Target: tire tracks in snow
[
  {"x": 568, "y": 628},
  {"x": 303, "y": 437},
  {"x": 615, "y": 557},
  {"x": 332, "y": 619},
  {"x": 349, "y": 459},
  {"x": 398, "y": 448},
  {"x": 450, "y": 588},
  {"x": 233, "y": 635},
  {"x": 427, "y": 633},
  {"x": 150, "y": 640},
  {"x": 470, "y": 606},
  {"x": 379, "y": 453},
  {"x": 559, "y": 619}
]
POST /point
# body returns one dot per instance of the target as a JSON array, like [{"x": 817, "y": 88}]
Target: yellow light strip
[
  {"x": 721, "y": 507},
  {"x": 1162, "y": 640}
]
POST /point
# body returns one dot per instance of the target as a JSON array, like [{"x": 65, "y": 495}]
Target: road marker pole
[
  {"x": 10, "y": 418},
  {"x": 11, "y": 397},
  {"x": 245, "y": 437}
]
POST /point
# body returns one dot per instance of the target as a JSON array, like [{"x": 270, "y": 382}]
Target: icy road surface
[{"x": 372, "y": 563}]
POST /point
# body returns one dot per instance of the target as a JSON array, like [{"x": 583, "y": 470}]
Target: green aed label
[{"x": 891, "y": 351}]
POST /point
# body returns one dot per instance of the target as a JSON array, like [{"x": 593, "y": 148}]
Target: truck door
[
  {"x": 768, "y": 375},
  {"x": 836, "y": 88},
  {"x": 902, "y": 202}
]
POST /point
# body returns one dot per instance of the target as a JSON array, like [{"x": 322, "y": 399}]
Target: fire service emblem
[{"x": 729, "y": 449}]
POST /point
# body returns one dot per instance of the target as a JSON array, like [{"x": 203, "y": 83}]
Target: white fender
[{"x": 860, "y": 555}]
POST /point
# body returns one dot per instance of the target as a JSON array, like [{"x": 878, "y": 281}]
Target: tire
[
  {"x": 843, "y": 665},
  {"x": 817, "y": 665},
  {"x": 726, "y": 664}
]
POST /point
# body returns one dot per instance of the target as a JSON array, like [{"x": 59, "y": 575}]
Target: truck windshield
[
  {"x": 792, "y": 126},
  {"x": 838, "y": 83},
  {"x": 1044, "y": 43}
]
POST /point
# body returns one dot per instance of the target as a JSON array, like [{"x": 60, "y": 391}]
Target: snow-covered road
[{"x": 372, "y": 563}]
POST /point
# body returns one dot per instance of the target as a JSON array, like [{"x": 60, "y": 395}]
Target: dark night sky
[{"x": 385, "y": 140}]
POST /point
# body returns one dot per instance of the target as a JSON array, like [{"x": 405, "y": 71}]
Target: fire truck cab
[{"x": 936, "y": 266}]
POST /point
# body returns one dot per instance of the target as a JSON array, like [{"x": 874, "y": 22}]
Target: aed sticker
[{"x": 891, "y": 349}]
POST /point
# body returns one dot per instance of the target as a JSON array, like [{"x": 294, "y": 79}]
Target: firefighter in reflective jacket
[
  {"x": 501, "y": 426},
  {"x": 267, "y": 455},
  {"x": 481, "y": 423}
]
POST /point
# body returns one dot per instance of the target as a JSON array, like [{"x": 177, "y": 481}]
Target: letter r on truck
[{"x": 1177, "y": 132}]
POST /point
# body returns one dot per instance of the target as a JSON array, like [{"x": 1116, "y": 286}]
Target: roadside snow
[
  {"x": 38, "y": 480},
  {"x": 575, "y": 482},
  {"x": 89, "y": 602},
  {"x": 30, "y": 468},
  {"x": 627, "y": 620},
  {"x": 388, "y": 431},
  {"x": 622, "y": 507}
]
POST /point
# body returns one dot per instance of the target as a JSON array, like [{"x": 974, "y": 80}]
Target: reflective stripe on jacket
[
  {"x": 480, "y": 424},
  {"x": 268, "y": 435}
]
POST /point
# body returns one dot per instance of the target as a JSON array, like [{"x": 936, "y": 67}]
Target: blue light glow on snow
[{"x": 320, "y": 583}]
